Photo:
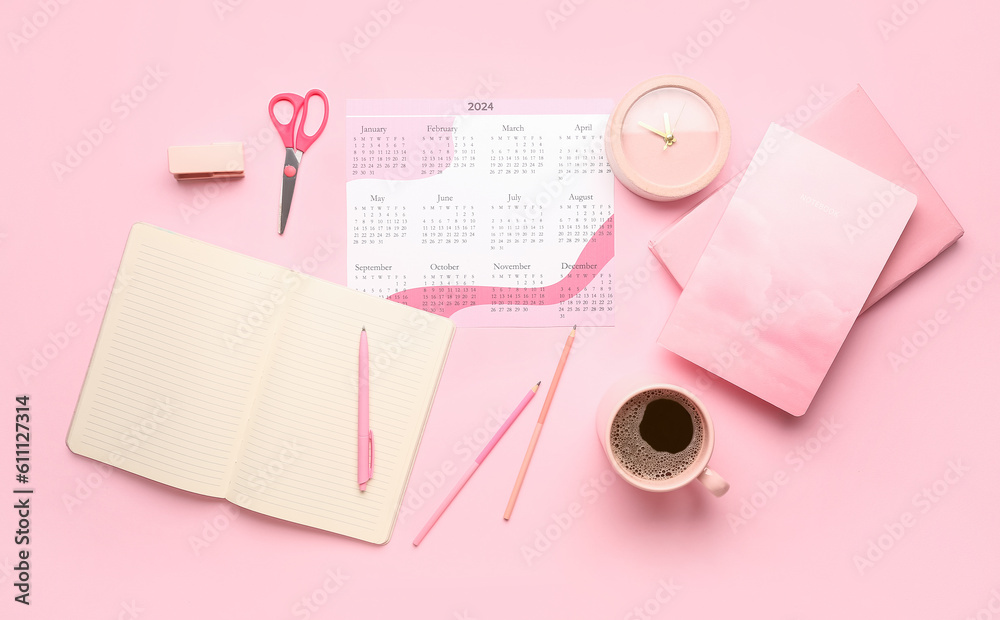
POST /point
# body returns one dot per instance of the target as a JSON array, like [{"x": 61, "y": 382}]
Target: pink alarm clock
[{"x": 668, "y": 138}]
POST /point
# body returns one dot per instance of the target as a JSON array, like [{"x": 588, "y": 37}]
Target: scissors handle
[
  {"x": 286, "y": 130},
  {"x": 303, "y": 141}
]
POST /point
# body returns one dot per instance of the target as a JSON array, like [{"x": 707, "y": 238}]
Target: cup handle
[{"x": 713, "y": 482}]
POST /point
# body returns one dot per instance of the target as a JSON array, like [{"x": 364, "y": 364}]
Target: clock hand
[
  {"x": 671, "y": 140},
  {"x": 656, "y": 131},
  {"x": 679, "y": 114},
  {"x": 668, "y": 140}
]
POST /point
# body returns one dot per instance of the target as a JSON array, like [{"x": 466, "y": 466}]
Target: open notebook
[{"x": 228, "y": 376}]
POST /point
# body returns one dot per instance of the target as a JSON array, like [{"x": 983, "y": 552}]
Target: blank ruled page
[
  {"x": 178, "y": 361},
  {"x": 300, "y": 457}
]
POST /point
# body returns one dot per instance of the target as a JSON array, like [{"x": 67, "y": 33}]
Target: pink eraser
[{"x": 209, "y": 161}]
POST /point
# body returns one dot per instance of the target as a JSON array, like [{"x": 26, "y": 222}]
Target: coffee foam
[{"x": 633, "y": 452}]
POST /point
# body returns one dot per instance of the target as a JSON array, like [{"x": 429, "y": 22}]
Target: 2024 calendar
[{"x": 491, "y": 213}]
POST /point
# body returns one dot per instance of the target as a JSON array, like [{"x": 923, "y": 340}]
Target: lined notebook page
[
  {"x": 177, "y": 362},
  {"x": 300, "y": 457}
]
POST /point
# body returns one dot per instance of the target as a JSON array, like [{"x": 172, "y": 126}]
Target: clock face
[{"x": 670, "y": 136}]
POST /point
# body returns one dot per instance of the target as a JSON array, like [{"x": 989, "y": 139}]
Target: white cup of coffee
[{"x": 658, "y": 437}]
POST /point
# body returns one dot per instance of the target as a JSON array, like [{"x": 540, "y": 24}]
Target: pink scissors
[{"x": 296, "y": 142}]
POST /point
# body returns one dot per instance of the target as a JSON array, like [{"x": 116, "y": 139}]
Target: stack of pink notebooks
[{"x": 776, "y": 272}]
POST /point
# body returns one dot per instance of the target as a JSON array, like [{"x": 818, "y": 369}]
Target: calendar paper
[{"x": 494, "y": 213}]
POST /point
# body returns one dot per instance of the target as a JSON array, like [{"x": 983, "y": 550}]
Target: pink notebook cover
[
  {"x": 853, "y": 128},
  {"x": 786, "y": 273}
]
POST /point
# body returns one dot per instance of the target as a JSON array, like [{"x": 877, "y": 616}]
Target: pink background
[{"x": 108, "y": 544}]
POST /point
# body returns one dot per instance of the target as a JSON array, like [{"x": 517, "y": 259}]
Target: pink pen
[
  {"x": 365, "y": 439},
  {"x": 475, "y": 465}
]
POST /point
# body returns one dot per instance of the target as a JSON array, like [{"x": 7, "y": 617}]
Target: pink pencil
[
  {"x": 475, "y": 465},
  {"x": 538, "y": 426}
]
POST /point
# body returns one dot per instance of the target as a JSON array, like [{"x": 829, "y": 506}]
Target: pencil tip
[{"x": 362, "y": 328}]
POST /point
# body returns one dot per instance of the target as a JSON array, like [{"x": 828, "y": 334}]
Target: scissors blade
[{"x": 292, "y": 159}]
